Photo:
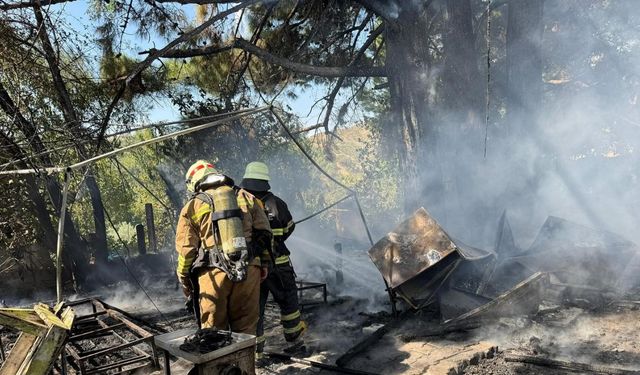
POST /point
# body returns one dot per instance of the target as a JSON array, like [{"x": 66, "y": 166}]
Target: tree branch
[
  {"x": 52, "y": 60},
  {"x": 307, "y": 129},
  {"x": 383, "y": 8},
  {"x": 158, "y": 53},
  {"x": 197, "y": 2},
  {"x": 336, "y": 89},
  {"x": 321, "y": 71},
  {"x": 29, "y": 4}
]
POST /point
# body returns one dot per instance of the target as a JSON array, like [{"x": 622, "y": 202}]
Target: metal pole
[
  {"x": 161, "y": 138},
  {"x": 63, "y": 211},
  {"x": 392, "y": 296}
]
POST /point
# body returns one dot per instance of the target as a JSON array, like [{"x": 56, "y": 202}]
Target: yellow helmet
[
  {"x": 197, "y": 172},
  {"x": 257, "y": 170}
]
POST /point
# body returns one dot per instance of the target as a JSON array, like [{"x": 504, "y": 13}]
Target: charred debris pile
[
  {"x": 567, "y": 264},
  {"x": 569, "y": 274},
  {"x": 569, "y": 302}
]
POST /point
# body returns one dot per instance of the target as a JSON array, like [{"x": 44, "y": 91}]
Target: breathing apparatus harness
[{"x": 229, "y": 252}]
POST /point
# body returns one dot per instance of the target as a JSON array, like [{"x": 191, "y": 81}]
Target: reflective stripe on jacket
[{"x": 281, "y": 222}]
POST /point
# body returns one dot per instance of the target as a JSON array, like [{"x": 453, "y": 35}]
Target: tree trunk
[
  {"x": 462, "y": 82},
  {"x": 100, "y": 240},
  {"x": 71, "y": 117},
  {"x": 524, "y": 65},
  {"x": 408, "y": 61},
  {"x": 461, "y": 118},
  {"x": 38, "y": 204},
  {"x": 75, "y": 259},
  {"x": 173, "y": 194}
]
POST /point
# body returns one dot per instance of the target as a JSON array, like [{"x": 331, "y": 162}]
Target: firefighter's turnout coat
[{"x": 223, "y": 303}]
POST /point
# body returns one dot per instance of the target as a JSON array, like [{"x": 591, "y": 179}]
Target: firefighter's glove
[
  {"x": 262, "y": 239},
  {"x": 189, "y": 305},
  {"x": 264, "y": 272},
  {"x": 185, "y": 283}
]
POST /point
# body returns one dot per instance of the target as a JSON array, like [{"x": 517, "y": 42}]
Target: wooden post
[
  {"x": 339, "y": 276},
  {"x": 59, "y": 245},
  {"x": 142, "y": 248},
  {"x": 151, "y": 228},
  {"x": 2, "y": 357}
]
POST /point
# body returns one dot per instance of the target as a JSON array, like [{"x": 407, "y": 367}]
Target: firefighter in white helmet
[
  {"x": 281, "y": 282},
  {"x": 223, "y": 239}
]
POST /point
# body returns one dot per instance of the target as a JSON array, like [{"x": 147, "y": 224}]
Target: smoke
[
  {"x": 578, "y": 161},
  {"x": 317, "y": 262}
]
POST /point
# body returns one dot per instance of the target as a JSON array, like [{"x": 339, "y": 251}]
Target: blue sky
[{"x": 75, "y": 13}]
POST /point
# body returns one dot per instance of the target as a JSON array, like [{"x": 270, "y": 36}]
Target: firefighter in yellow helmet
[
  {"x": 281, "y": 282},
  {"x": 223, "y": 239}
]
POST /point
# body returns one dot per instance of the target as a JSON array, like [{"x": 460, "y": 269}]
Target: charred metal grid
[
  {"x": 106, "y": 342},
  {"x": 307, "y": 285}
]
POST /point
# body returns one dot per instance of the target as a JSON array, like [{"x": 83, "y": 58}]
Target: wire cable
[
  {"x": 126, "y": 266},
  {"x": 324, "y": 209}
]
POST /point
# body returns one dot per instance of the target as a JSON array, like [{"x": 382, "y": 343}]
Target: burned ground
[{"x": 603, "y": 336}]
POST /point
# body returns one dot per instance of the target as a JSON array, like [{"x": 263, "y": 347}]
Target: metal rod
[
  {"x": 135, "y": 145},
  {"x": 392, "y": 298},
  {"x": 59, "y": 245},
  {"x": 364, "y": 221},
  {"x": 391, "y": 293},
  {"x": 48, "y": 170},
  {"x": 323, "y": 366},
  {"x": 165, "y": 137},
  {"x": 324, "y": 209},
  {"x": 98, "y": 352},
  {"x": 124, "y": 362},
  {"x": 127, "y": 131},
  {"x": 90, "y": 334},
  {"x": 81, "y": 319}
]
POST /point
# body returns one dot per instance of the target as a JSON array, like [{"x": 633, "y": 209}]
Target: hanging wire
[
  {"x": 324, "y": 209},
  {"x": 126, "y": 266},
  {"x": 130, "y": 130},
  {"x": 167, "y": 208}
]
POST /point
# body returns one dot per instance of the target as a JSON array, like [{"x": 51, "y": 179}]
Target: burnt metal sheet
[
  {"x": 524, "y": 298},
  {"x": 418, "y": 256},
  {"x": 470, "y": 274},
  {"x": 579, "y": 255},
  {"x": 421, "y": 289},
  {"x": 505, "y": 243},
  {"x": 506, "y": 273},
  {"x": 412, "y": 247},
  {"x": 455, "y": 302}
]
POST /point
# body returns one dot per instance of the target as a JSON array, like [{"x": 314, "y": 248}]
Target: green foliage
[{"x": 124, "y": 198}]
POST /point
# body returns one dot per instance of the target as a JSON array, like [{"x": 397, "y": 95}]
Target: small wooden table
[{"x": 240, "y": 353}]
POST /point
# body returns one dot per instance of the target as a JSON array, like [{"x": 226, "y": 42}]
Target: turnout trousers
[
  {"x": 228, "y": 305},
  {"x": 281, "y": 283}
]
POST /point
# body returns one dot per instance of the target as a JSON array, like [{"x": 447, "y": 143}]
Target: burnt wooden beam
[
  {"x": 366, "y": 343},
  {"x": 568, "y": 365},
  {"x": 320, "y": 365}
]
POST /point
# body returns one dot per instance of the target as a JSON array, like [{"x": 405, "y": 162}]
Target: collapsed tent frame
[
  {"x": 71, "y": 168},
  {"x": 231, "y": 116}
]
